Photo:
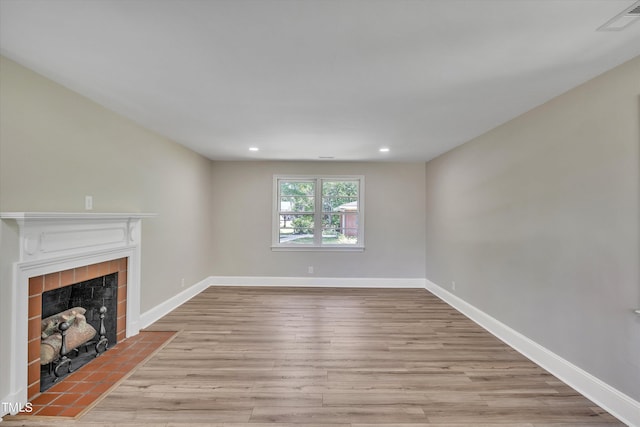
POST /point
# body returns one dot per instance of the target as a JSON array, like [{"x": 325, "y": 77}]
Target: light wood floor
[{"x": 284, "y": 357}]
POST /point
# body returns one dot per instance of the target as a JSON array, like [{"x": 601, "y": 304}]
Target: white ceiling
[{"x": 307, "y": 78}]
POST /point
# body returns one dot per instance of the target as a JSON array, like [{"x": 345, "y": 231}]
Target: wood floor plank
[
  {"x": 332, "y": 414},
  {"x": 323, "y": 357}
]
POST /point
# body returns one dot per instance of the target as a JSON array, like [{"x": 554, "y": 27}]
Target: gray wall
[
  {"x": 537, "y": 222},
  {"x": 394, "y": 224}
]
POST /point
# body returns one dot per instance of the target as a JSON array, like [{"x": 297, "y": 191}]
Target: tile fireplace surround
[{"x": 48, "y": 248}]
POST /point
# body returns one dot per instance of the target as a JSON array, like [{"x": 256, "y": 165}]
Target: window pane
[
  {"x": 297, "y": 188},
  {"x": 339, "y": 196},
  {"x": 339, "y": 204},
  {"x": 336, "y": 237},
  {"x": 297, "y": 204},
  {"x": 339, "y": 229},
  {"x": 296, "y": 229},
  {"x": 339, "y": 188}
]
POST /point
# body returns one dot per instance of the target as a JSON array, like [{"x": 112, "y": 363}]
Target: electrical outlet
[
  {"x": 453, "y": 286},
  {"x": 310, "y": 270},
  {"x": 88, "y": 202},
  {"x": 182, "y": 283}
]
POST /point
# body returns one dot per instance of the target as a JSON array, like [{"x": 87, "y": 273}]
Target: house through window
[{"x": 313, "y": 212}]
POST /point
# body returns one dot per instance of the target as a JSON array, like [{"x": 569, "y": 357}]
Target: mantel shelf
[
  {"x": 48, "y": 235},
  {"x": 36, "y": 216}
]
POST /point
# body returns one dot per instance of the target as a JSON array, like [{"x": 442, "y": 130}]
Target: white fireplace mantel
[
  {"x": 49, "y": 242},
  {"x": 47, "y": 235}
]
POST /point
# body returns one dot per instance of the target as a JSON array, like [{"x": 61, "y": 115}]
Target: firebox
[{"x": 78, "y": 324}]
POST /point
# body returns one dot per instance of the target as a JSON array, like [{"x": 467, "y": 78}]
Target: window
[{"x": 313, "y": 212}]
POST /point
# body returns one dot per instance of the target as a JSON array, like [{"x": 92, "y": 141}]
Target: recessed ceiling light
[
  {"x": 254, "y": 149},
  {"x": 384, "y": 150}
]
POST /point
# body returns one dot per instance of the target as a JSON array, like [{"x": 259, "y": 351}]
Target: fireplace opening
[{"x": 79, "y": 322}]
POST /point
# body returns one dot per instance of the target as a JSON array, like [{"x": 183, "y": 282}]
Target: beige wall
[
  {"x": 537, "y": 222},
  {"x": 56, "y": 147},
  {"x": 394, "y": 222}
]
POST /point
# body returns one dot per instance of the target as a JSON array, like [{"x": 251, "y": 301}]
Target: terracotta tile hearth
[
  {"x": 40, "y": 284},
  {"x": 82, "y": 389}
]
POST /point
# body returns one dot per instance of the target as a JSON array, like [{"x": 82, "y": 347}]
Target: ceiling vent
[
  {"x": 623, "y": 20},
  {"x": 635, "y": 10}
]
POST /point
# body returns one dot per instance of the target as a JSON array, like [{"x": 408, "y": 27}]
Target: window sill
[{"x": 317, "y": 248}]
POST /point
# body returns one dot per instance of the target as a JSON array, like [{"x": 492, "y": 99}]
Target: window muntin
[{"x": 318, "y": 212}]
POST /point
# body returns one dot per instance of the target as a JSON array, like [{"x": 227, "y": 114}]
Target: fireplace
[
  {"x": 48, "y": 251},
  {"x": 97, "y": 304}
]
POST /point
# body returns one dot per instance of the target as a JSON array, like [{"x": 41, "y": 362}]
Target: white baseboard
[
  {"x": 613, "y": 401},
  {"x": 327, "y": 282},
  {"x": 161, "y": 310}
]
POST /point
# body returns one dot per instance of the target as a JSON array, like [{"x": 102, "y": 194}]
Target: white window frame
[{"x": 317, "y": 245}]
